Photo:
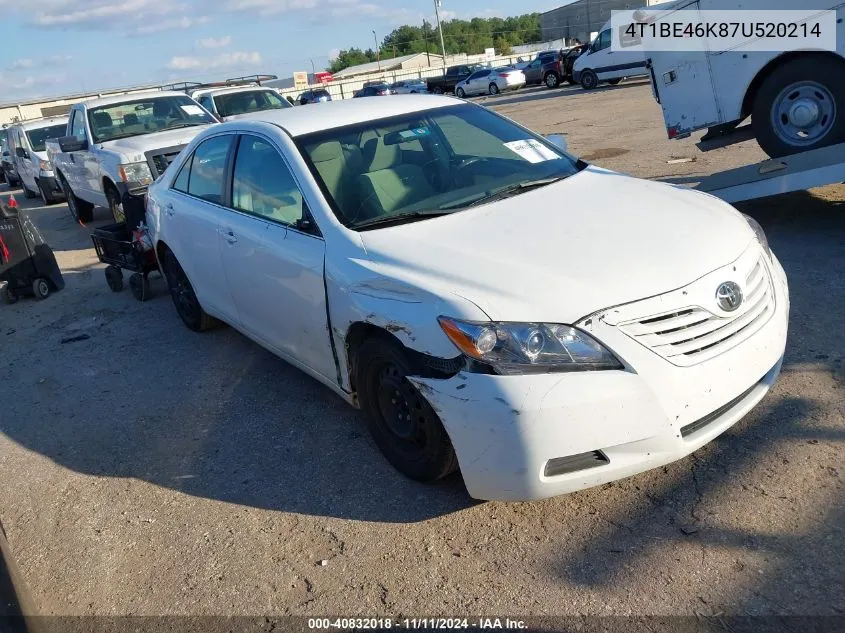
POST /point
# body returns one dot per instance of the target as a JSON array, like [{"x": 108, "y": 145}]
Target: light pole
[
  {"x": 440, "y": 28},
  {"x": 378, "y": 54}
]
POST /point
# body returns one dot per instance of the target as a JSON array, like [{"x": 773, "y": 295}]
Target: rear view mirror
[
  {"x": 558, "y": 140},
  {"x": 72, "y": 144}
]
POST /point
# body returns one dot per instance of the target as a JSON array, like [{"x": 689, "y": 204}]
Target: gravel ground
[{"x": 150, "y": 470}]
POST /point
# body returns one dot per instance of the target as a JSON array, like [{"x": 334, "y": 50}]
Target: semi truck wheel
[{"x": 800, "y": 106}]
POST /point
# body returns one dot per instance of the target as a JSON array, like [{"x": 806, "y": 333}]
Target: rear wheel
[
  {"x": 493, "y": 89},
  {"x": 800, "y": 106},
  {"x": 589, "y": 80},
  {"x": 459, "y": 92},
  {"x": 41, "y": 288},
  {"x": 187, "y": 305},
  {"x": 403, "y": 424},
  {"x": 551, "y": 80},
  {"x": 81, "y": 210}
]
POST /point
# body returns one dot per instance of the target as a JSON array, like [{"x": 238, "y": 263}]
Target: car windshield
[
  {"x": 38, "y": 137},
  {"x": 428, "y": 163},
  {"x": 145, "y": 116},
  {"x": 249, "y": 101}
]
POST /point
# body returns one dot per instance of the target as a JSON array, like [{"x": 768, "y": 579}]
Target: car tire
[
  {"x": 81, "y": 210},
  {"x": 114, "y": 278},
  {"x": 589, "y": 79},
  {"x": 7, "y": 295},
  {"x": 493, "y": 89},
  {"x": 184, "y": 298},
  {"x": 45, "y": 197},
  {"x": 41, "y": 288},
  {"x": 459, "y": 93},
  {"x": 29, "y": 195},
  {"x": 437, "y": 90},
  {"x": 551, "y": 80},
  {"x": 115, "y": 205},
  {"x": 817, "y": 81},
  {"x": 403, "y": 424}
]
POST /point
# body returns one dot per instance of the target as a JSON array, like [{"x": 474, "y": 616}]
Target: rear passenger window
[
  {"x": 208, "y": 169},
  {"x": 262, "y": 183}
]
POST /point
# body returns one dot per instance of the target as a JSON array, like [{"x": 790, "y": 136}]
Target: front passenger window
[
  {"x": 262, "y": 184},
  {"x": 208, "y": 170}
]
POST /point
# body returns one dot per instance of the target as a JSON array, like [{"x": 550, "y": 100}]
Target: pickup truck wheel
[
  {"x": 437, "y": 90},
  {"x": 800, "y": 106},
  {"x": 80, "y": 210},
  {"x": 551, "y": 80},
  {"x": 28, "y": 194},
  {"x": 403, "y": 424},
  {"x": 187, "y": 305},
  {"x": 459, "y": 93},
  {"x": 589, "y": 80},
  {"x": 115, "y": 205}
]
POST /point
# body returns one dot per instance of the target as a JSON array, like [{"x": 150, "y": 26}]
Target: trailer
[{"x": 795, "y": 100}]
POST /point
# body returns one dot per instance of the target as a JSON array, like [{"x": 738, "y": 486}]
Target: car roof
[
  {"x": 37, "y": 124},
  {"x": 232, "y": 90},
  {"x": 334, "y": 114},
  {"x": 130, "y": 97}
]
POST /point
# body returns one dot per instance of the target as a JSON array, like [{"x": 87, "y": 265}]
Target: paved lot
[{"x": 150, "y": 470}]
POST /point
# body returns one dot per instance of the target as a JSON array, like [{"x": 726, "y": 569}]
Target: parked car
[
  {"x": 544, "y": 70},
  {"x": 490, "y": 81},
  {"x": 600, "y": 63},
  {"x": 231, "y": 103},
  {"x": 331, "y": 241},
  {"x": 409, "y": 86},
  {"x": 445, "y": 84},
  {"x": 321, "y": 95},
  {"x": 115, "y": 147},
  {"x": 27, "y": 148},
  {"x": 373, "y": 90}
]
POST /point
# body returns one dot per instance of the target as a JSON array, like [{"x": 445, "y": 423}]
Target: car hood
[
  {"x": 559, "y": 253},
  {"x": 134, "y": 147}
]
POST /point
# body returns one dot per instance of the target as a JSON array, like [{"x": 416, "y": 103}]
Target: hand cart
[{"x": 124, "y": 249}]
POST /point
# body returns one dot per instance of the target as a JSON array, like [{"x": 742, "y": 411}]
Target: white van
[
  {"x": 27, "y": 149},
  {"x": 601, "y": 63}
]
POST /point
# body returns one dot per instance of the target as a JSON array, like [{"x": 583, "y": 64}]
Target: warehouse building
[{"x": 579, "y": 20}]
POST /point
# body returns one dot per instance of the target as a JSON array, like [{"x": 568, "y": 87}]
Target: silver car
[{"x": 409, "y": 87}]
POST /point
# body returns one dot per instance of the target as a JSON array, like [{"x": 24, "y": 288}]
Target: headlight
[
  {"x": 518, "y": 348},
  {"x": 760, "y": 233},
  {"x": 135, "y": 173},
  {"x": 44, "y": 165}
]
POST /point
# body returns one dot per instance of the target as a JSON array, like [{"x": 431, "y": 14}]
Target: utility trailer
[{"x": 796, "y": 101}]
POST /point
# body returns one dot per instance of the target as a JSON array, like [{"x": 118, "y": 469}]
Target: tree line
[{"x": 460, "y": 36}]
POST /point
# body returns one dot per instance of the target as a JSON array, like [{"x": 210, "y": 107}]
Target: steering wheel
[{"x": 456, "y": 174}]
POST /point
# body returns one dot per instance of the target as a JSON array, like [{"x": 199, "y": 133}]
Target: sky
[{"x": 58, "y": 47}]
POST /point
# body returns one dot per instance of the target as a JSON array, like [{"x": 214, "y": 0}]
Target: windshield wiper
[
  {"x": 402, "y": 218},
  {"x": 178, "y": 125},
  {"x": 500, "y": 193}
]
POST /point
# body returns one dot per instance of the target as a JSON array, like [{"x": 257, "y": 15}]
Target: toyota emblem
[{"x": 729, "y": 296}]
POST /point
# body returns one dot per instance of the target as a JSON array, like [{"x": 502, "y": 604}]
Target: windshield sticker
[
  {"x": 415, "y": 133},
  {"x": 531, "y": 150},
  {"x": 192, "y": 110}
]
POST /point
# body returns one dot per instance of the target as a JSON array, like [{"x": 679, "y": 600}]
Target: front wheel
[
  {"x": 28, "y": 194},
  {"x": 459, "y": 93},
  {"x": 551, "y": 80},
  {"x": 800, "y": 106},
  {"x": 493, "y": 89},
  {"x": 589, "y": 80},
  {"x": 81, "y": 210},
  {"x": 403, "y": 424},
  {"x": 115, "y": 205}
]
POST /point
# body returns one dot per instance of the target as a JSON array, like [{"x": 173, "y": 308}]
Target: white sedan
[
  {"x": 492, "y": 303},
  {"x": 490, "y": 81}
]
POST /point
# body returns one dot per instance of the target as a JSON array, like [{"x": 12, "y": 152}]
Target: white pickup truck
[{"x": 115, "y": 147}]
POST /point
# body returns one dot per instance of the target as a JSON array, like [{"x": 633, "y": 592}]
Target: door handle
[
  {"x": 169, "y": 208},
  {"x": 229, "y": 236}
]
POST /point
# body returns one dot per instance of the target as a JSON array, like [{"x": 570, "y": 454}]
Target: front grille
[
  {"x": 160, "y": 160},
  {"x": 693, "y": 334}
]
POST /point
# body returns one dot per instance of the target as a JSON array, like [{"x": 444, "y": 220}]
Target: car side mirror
[
  {"x": 72, "y": 144},
  {"x": 558, "y": 140},
  {"x": 20, "y": 152},
  {"x": 304, "y": 224}
]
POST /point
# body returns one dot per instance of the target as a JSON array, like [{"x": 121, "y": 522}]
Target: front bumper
[{"x": 510, "y": 432}]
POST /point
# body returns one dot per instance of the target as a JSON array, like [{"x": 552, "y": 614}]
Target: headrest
[
  {"x": 326, "y": 151},
  {"x": 102, "y": 119},
  {"x": 381, "y": 156},
  {"x": 130, "y": 119}
]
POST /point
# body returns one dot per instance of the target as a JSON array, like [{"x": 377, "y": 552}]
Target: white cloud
[
  {"x": 221, "y": 62},
  {"x": 319, "y": 9},
  {"x": 28, "y": 63},
  {"x": 133, "y": 17},
  {"x": 210, "y": 42},
  {"x": 170, "y": 25}
]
